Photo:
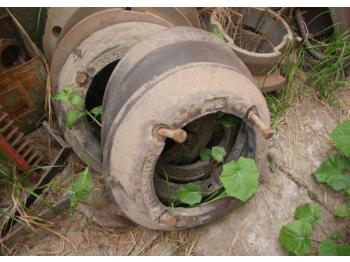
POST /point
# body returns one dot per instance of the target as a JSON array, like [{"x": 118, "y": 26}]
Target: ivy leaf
[
  {"x": 331, "y": 248},
  {"x": 189, "y": 194},
  {"x": 308, "y": 213},
  {"x": 334, "y": 172},
  {"x": 295, "y": 237},
  {"x": 81, "y": 189},
  {"x": 341, "y": 137},
  {"x": 240, "y": 178},
  {"x": 73, "y": 116},
  {"x": 218, "y": 153},
  {"x": 216, "y": 32},
  {"x": 342, "y": 211},
  {"x": 205, "y": 154},
  {"x": 335, "y": 235},
  {"x": 228, "y": 121},
  {"x": 96, "y": 111}
]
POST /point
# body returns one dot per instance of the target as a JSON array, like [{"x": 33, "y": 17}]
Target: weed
[
  {"x": 291, "y": 65},
  {"x": 335, "y": 171},
  {"x": 77, "y": 104},
  {"x": 328, "y": 73},
  {"x": 295, "y": 237},
  {"x": 239, "y": 178}
]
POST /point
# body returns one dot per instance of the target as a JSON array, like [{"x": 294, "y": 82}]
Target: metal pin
[
  {"x": 178, "y": 135},
  {"x": 168, "y": 219},
  {"x": 265, "y": 130}
]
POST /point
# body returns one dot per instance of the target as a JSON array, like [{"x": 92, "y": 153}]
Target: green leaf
[
  {"x": 272, "y": 164},
  {"x": 218, "y": 153},
  {"x": 76, "y": 100},
  {"x": 61, "y": 97},
  {"x": 240, "y": 178},
  {"x": 68, "y": 95},
  {"x": 348, "y": 191},
  {"x": 334, "y": 172},
  {"x": 331, "y": 248},
  {"x": 73, "y": 116},
  {"x": 205, "y": 154},
  {"x": 341, "y": 137},
  {"x": 335, "y": 235},
  {"x": 308, "y": 213},
  {"x": 228, "y": 121},
  {"x": 189, "y": 194},
  {"x": 342, "y": 211},
  {"x": 81, "y": 189},
  {"x": 96, "y": 111},
  {"x": 295, "y": 237},
  {"x": 216, "y": 32}
]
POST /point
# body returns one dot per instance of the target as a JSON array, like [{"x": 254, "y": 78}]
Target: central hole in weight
[{"x": 94, "y": 96}]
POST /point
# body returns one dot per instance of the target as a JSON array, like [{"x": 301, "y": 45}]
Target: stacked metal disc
[{"x": 164, "y": 86}]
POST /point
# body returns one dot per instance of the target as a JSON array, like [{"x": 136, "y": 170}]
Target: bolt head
[
  {"x": 168, "y": 219},
  {"x": 81, "y": 77}
]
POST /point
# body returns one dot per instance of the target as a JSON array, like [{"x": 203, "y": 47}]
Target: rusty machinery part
[
  {"x": 61, "y": 19},
  {"x": 205, "y": 77},
  {"x": 84, "y": 58},
  {"x": 55, "y": 167},
  {"x": 260, "y": 37},
  {"x": 22, "y": 93},
  {"x": 11, "y": 54},
  {"x": 22, "y": 87},
  {"x": 321, "y": 23},
  {"x": 13, "y": 143}
]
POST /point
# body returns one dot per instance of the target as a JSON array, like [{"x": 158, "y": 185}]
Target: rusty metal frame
[{"x": 56, "y": 166}]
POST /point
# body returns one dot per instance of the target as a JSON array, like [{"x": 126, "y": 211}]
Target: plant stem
[{"x": 93, "y": 118}]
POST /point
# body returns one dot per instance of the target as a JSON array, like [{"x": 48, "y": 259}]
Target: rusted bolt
[
  {"x": 81, "y": 77},
  {"x": 178, "y": 135},
  {"x": 265, "y": 130},
  {"x": 168, "y": 219}
]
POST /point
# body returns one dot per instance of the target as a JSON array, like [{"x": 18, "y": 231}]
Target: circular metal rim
[
  {"x": 66, "y": 17},
  {"x": 93, "y": 23},
  {"x": 81, "y": 137},
  {"x": 187, "y": 215},
  {"x": 273, "y": 55},
  {"x": 56, "y": 16},
  {"x": 240, "y": 147},
  {"x": 147, "y": 49},
  {"x": 199, "y": 164},
  {"x": 105, "y": 17}
]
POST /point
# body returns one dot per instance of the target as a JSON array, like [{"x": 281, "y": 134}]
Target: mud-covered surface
[{"x": 301, "y": 144}]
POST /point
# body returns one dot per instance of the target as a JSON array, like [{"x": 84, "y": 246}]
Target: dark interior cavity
[{"x": 94, "y": 95}]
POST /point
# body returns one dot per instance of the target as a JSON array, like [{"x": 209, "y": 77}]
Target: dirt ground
[{"x": 301, "y": 144}]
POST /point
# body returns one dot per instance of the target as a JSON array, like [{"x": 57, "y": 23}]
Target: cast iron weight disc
[
  {"x": 89, "y": 45},
  {"x": 173, "y": 98}
]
